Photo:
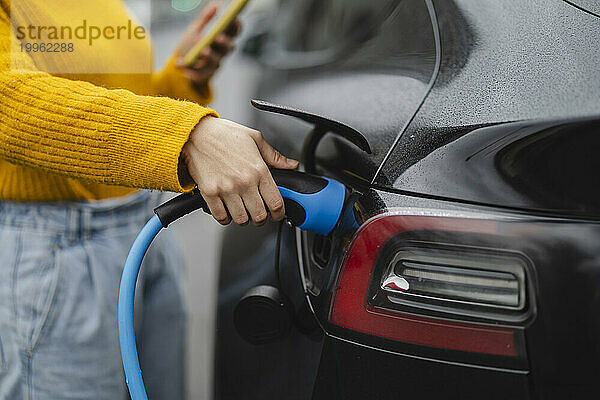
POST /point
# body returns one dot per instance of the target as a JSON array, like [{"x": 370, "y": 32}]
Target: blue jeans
[{"x": 60, "y": 268}]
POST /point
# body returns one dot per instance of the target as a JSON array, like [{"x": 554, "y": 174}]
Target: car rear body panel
[
  {"x": 388, "y": 376},
  {"x": 376, "y": 88},
  {"x": 502, "y": 61},
  {"x": 560, "y": 335},
  {"x": 529, "y": 165},
  {"x": 508, "y": 126}
]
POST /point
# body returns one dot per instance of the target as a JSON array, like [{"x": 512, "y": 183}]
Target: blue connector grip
[{"x": 321, "y": 209}]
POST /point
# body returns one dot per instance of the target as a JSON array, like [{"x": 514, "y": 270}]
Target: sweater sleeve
[
  {"x": 75, "y": 129},
  {"x": 172, "y": 82}
]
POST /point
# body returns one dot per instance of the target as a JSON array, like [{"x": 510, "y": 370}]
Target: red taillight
[{"x": 351, "y": 308}]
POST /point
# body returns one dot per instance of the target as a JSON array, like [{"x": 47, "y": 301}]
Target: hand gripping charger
[{"x": 312, "y": 203}]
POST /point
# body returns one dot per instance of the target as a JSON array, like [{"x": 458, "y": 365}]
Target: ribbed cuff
[{"x": 146, "y": 139}]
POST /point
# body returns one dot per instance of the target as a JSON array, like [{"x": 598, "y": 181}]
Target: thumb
[
  {"x": 207, "y": 14},
  {"x": 272, "y": 157}
]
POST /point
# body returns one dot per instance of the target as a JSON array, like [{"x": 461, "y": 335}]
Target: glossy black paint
[
  {"x": 538, "y": 165},
  {"x": 487, "y": 107},
  {"x": 561, "y": 340},
  {"x": 362, "y": 377},
  {"x": 503, "y": 61},
  {"x": 359, "y": 88}
]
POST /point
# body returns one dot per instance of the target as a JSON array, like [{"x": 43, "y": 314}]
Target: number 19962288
[{"x": 47, "y": 47}]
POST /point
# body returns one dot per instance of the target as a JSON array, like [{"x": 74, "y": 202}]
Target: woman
[{"x": 74, "y": 147}]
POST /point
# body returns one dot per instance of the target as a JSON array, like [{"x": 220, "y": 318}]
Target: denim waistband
[{"x": 74, "y": 218}]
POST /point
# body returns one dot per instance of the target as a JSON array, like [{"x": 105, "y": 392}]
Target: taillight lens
[
  {"x": 434, "y": 281},
  {"x": 457, "y": 278}
]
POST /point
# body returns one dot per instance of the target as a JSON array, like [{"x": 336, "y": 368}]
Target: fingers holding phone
[{"x": 209, "y": 58}]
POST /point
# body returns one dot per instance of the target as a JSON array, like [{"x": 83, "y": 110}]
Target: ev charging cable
[{"x": 312, "y": 203}]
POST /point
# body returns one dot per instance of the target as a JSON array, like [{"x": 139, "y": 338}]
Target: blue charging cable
[
  {"x": 131, "y": 363},
  {"x": 312, "y": 203}
]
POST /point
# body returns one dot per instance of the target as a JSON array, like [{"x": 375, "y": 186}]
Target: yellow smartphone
[{"x": 228, "y": 17}]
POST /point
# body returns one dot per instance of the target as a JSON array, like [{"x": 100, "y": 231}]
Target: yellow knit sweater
[{"x": 81, "y": 137}]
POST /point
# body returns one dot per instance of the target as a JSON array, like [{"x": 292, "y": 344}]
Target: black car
[{"x": 467, "y": 262}]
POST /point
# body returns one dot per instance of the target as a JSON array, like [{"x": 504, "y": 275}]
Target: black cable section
[{"x": 277, "y": 253}]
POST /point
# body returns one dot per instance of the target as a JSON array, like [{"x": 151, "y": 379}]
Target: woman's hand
[
  {"x": 210, "y": 58},
  {"x": 229, "y": 163}
]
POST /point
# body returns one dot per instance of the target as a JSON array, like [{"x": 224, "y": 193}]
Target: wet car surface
[{"x": 478, "y": 196}]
